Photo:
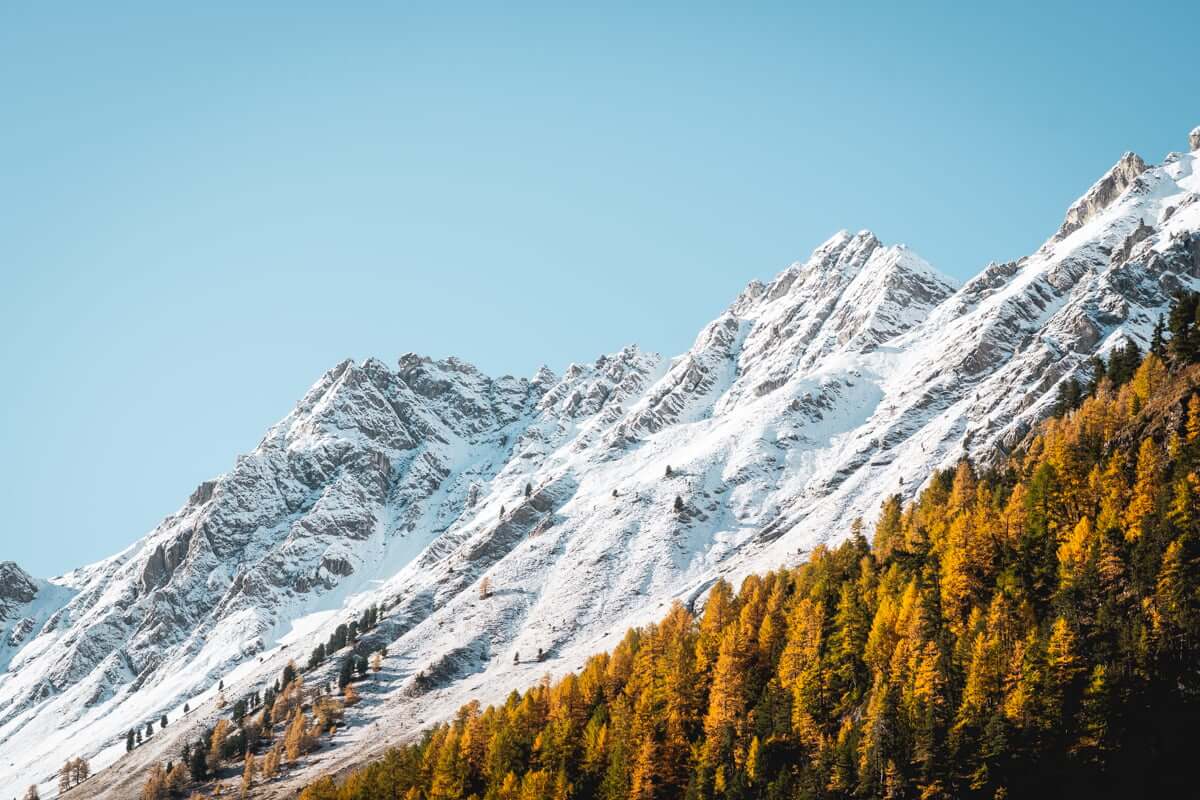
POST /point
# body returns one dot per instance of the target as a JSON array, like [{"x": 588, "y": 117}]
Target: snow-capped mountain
[{"x": 847, "y": 378}]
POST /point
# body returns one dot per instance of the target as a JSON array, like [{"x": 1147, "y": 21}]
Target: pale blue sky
[{"x": 202, "y": 210}]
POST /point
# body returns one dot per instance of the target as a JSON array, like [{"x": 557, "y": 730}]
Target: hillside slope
[{"x": 1034, "y": 631}]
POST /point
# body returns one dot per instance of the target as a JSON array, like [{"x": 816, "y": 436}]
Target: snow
[{"x": 849, "y": 377}]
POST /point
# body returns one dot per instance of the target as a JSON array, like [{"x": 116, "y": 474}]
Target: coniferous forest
[{"x": 1030, "y": 630}]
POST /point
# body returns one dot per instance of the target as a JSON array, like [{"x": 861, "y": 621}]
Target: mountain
[
  {"x": 800, "y": 408},
  {"x": 1028, "y": 631}
]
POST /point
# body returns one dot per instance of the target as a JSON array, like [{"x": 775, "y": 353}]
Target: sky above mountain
[{"x": 204, "y": 209}]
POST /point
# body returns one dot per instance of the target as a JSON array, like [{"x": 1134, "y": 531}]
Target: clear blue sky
[{"x": 202, "y": 210}]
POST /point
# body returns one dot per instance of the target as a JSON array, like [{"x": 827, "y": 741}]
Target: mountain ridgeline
[{"x": 1029, "y": 631}]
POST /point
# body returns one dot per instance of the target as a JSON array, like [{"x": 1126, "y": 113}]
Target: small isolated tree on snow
[
  {"x": 528, "y": 489},
  {"x": 66, "y": 776},
  {"x": 32, "y": 793},
  {"x": 678, "y": 504},
  {"x": 162, "y": 723},
  {"x": 129, "y": 743},
  {"x": 669, "y": 472}
]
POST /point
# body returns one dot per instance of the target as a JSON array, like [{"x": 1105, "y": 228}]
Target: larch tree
[
  {"x": 216, "y": 742},
  {"x": 249, "y": 773}
]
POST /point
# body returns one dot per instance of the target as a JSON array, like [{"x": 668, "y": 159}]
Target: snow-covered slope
[{"x": 849, "y": 377}]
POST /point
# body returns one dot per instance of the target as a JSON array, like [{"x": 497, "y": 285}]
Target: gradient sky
[{"x": 202, "y": 210}]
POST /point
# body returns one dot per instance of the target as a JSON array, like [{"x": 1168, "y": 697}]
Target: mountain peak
[
  {"x": 1194, "y": 139},
  {"x": 903, "y": 259},
  {"x": 1102, "y": 193},
  {"x": 845, "y": 252}
]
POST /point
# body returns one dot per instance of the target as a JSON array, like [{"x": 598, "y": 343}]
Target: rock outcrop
[{"x": 16, "y": 588}]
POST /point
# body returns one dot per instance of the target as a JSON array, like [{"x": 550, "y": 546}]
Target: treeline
[
  {"x": 269, "y": 731},
  {"x": 1178, "y": 350},
  {"x": 1030, "y": 631},
  {"x": 260, "y": 738}
]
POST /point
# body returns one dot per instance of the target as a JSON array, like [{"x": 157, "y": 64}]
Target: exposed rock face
[
  {"x": 1102, "y": 193},
  {"x": 16, "y": 587},
  {"x": 848, "y": 377},
  {"x": 25, "y": 603},
  {"x": 1194, "y": 139}
]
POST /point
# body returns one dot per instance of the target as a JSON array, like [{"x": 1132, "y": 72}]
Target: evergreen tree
[
  {"x": 1157, "y": 342},
  {"x": 317, "y": 656},
  {"x": 198, "y": 763},
  {"x": 1070, "y": 395}
]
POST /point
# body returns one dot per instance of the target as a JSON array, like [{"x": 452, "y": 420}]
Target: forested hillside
[{"x": 1029, "y": 630}]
